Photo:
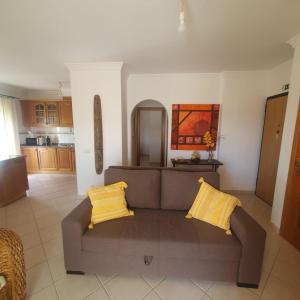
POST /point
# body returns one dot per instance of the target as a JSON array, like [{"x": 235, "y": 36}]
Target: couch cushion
[
  {"x": 162, "y": 234},
  {"x": 143, "y": 185},
  {"x": 179, "y": 188}
]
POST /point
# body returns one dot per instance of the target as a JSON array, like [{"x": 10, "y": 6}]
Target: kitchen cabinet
[
  {"x": 28, "y": 113},
  {"x": 47, "y": 159},
  {"x": 64, "y": 159},
  {"x": 52, "y": 114},
  {"x": 31, "y": 157},
  {"x": 13, "y": 179},
  {"x": 65, "y": 114},
  {"x": 47, "y": 113}
]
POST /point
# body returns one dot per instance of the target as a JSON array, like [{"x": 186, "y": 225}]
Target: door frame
[
  {"x": 296, "y": 140},
  {"x": 274, "y": 97},
  {"x": 137, "y": 140}
]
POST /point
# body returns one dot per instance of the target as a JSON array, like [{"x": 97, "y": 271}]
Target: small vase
[{"x": 210, "y": 155}]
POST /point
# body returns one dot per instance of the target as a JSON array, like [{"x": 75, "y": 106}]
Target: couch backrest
[
  {"x": 143, "y": 185},
  {"x": 180, "y": 187},
  {"x": 166, "y": 188}
]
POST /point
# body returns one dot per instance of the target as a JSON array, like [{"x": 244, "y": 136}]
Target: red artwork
[{"x": 189, "y": 124}]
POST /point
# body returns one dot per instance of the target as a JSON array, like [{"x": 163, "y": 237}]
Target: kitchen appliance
[
  {"x": 41, "y": 140},
  {"x": 31, "y": 141},
  {"x": 48, "y": 140}
]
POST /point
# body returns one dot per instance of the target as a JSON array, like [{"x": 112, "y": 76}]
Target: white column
[
  {"x": 288, "y": 134},
  {"x": 87, "y": 80}
]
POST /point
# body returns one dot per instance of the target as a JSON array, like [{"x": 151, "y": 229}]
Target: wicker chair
[{"x": 12, "y": 266}]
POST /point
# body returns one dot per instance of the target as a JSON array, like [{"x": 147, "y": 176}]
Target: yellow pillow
[
  {"x": 108, "y": 202},
  {"x": 213, "y": 206}
]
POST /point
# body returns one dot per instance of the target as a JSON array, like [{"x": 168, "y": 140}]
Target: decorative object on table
[
  {"x": 195, "y": 156},
  {"x": 12, "y": 265},
  {"x": 98, "y": 135},
  {"x": 189, "y": 124},
  {"x": 210, "y": 139}
]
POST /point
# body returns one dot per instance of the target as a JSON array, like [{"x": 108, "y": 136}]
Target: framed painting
[{"x": 189, "y": 124}]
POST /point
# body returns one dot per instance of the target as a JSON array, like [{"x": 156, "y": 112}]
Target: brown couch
[{"x": 158, "y": 239}]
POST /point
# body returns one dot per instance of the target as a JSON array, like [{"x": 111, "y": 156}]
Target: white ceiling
[{"x": 38, "y": 36}]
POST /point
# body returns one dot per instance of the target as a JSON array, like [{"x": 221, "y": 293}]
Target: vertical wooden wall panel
[{"x": 98, "y": 135}]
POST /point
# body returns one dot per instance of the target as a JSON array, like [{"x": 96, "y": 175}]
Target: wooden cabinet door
[
  {"x": 64, "y": 159},
  {"x": 73, "y": 160},
  {"x": 65, "y": 114},
  {"x": 52, "y": 114},
  {"x": 47, "y": 159},
  {"x": 31, "y": 156},
  {"x": 39, "y": 112},
  {"x": 28, "y": 114}
]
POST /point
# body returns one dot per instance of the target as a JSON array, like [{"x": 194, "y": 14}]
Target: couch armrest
[
  {"x": 73, "y": 227},
  {"x": 252, "y": 237}
]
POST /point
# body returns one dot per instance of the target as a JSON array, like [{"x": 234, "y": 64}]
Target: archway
[{"x": 149, "y": 134}]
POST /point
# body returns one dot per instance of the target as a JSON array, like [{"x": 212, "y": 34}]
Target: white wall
[
  {"x": 169, "y": 89},
  {"x": 279, "y": 76},
  {"x": 288, "y": 135},
  {"x": 87, "y": 80},
  {"x": 155, "y": 136},
  {"x": 243, "y": 102},
  {"x": 145, "y": 132},
  {"x": 10, "y": 90},
  {"x": 242, "y": 97}
]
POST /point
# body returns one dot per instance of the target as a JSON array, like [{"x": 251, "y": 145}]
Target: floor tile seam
[
  {"x": 104, "y": 287},
  {"x": 151, "y": 290},
  {"x": 49, "y": 269},
  {"x": 154, "y": 286},
  {"x": 270, "y": 273},
  {"x": 195, "y": 283},
  {"x": 109, "y": 280}
]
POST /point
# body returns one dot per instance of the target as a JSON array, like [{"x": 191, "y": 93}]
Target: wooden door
[
  {"x": 64, "y": 159},
  {"x": 65, "y": 114},
  {"x": 290, "y": 225},
  {"x": 52, "y": 114},
  {"x": 47, "y": 159},
  {"x": 270, "y": 148},
  {"x": 31, "y": 156}
]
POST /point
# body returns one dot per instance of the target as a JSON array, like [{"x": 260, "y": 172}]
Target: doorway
[
  {"x": 290, "y": 225},
  {"x": 149, "y": 134}
]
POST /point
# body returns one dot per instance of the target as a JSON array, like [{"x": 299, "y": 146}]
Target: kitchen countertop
[{"x": 62, "y": 145}]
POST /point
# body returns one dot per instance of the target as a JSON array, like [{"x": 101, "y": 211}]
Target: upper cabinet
[
  {"x": 52, "y": 112},
  {"x": 65, "y": 114},
  {"x": 47, "y": 113}
]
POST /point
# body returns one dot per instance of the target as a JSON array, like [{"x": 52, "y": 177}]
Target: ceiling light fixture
[
  {"x": 181, "y": 27},
  {"x": 60, "y": 87}
]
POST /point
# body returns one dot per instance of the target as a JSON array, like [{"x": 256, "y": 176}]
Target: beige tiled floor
[{"x": 37, "y": 220}]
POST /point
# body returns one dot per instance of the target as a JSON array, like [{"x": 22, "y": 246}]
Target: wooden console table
[{"x": 212, "y": 164}]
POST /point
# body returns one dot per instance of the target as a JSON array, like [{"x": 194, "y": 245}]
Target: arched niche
[{"x": 149, "y": 130}]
